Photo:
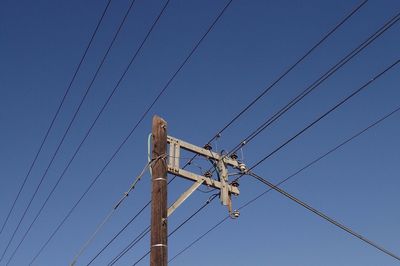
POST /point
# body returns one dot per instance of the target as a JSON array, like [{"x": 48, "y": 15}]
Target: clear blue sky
[{"x": 41, "y": 43}]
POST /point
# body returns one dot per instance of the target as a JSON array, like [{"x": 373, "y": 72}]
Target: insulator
[
  {"x": 208, "y": 146},
  {"x": 235, "y": 184},
  {"x": 235, "y": 214},
  {"x": 234, "y": 156},
  {"x": 242, "y": 167},
  {"x": 208, "y": 174}
]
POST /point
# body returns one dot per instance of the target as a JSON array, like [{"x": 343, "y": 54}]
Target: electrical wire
[
  {"x": 387, "y": 25},
  {"x": 141, "y": 258},
  {"x": 324, "y": 216},
  {"x": 343, "y": 101},
  {"x": 119, "y": 232},
  {"x": 199, "y": 238},
  {"x": 137, "y": 239},
  {"x": 55, "y": 115},
  {"x": 130, "y": 246},
  {"x": 367, "y": 42},
  {"x": 356, "y": 9},
  {"x": 88, "y": 88},
  {"x": 301, "y": 59},
  {"x": 114, "y": 208},
  {"x": 141, "y": 118},
  {"x": 308, "y": 165}
]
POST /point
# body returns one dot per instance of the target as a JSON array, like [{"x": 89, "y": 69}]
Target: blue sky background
[{"x": 41, "y": 43}]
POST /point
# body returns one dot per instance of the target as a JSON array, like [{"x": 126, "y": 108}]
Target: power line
[
  {"x": 55, "y": 116},
  {"x": 112, "y": 211},
  {"x": 285, "y": 73},
  {"x": 88, "y": 132},
  {"x": 343, "y": 101},
  {"x": 130, "y": 246},
  {"x": 319, "y": 81},
  {"x": 387, "y": 25},
  {"x": 64, "y": 136},
  {"x": 139, "y": 121},
  {"x": 308, "y": 165},
  {"x": 369, "y": 82},
  {"x": 324, "y": 216},
  {"x": 335, "y": 107},
  {"x": 119, "y": 232},
  {"x": 357, "y": 8},
  {"x": 137, "y": 239},
  {"x": 199, "y": 238},
  {"x": 141, "y": 258}
]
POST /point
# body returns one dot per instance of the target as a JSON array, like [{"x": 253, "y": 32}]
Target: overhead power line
[
  {"x": 119, "y": 232},
  {"x": 88, "y": 88},
  {"x": 308, "y": 165},
  {"x": 112, "y": 211},
  {"x": 386, "y": 26},
  {"x": 324, "y": 216},
  {"x": 343, "y": 101},
  {"x": 367, "y": 42},
  {"x": 138, "y": 122},
  {"x": 130, "y": 246},
  {"x": 140, "y": 236},
  {"x": 284, "y": 74},
  {"x": 323, "y": 39},
  {"x": 55, "y": 115}
]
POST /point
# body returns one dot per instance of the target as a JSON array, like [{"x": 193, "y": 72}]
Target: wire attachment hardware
[{"x": 222, "y": 162}]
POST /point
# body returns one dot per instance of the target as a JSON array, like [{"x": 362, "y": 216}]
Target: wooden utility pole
[{"x": 159, "y": 248}]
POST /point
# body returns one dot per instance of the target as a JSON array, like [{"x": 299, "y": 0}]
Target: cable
[
  {"x": 130, "y": 246},
  {"x": 136, "y": 240},
  {"x": 55, "y": 116},
  {"x": 141, "y": 258},
  {"x": 326, "y": 36},
  {"x": 324, "y": 216},
  {"x": 120, "y": 231},
  {"x": 114, "y": 208},
  {"x": 142, "y": 117},
  {"x": 199, "y": 238},
  {"x": 308, "y": 165},
  {"x": 263, "y": 93},
  {"x": 66, "y": 133},
  {"x": 319, "y": 81},
  {"x": 387, "y": 25},
  {"x": 125, "y": 226},
  {"x": 302, "y": 58},
  {"x": 354, "y": 93}
]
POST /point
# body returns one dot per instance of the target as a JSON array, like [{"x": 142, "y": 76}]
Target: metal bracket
[
  {"x": 226, "y": 190},
  {"x": 184, "y": 196}
]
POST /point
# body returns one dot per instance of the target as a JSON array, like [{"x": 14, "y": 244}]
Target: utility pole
[
  {"x": 161, "y": 167},
  {"x": 159, "y": 247}
]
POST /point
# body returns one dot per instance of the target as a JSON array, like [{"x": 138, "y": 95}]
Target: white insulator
[{"x": 242, "y": 167}]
